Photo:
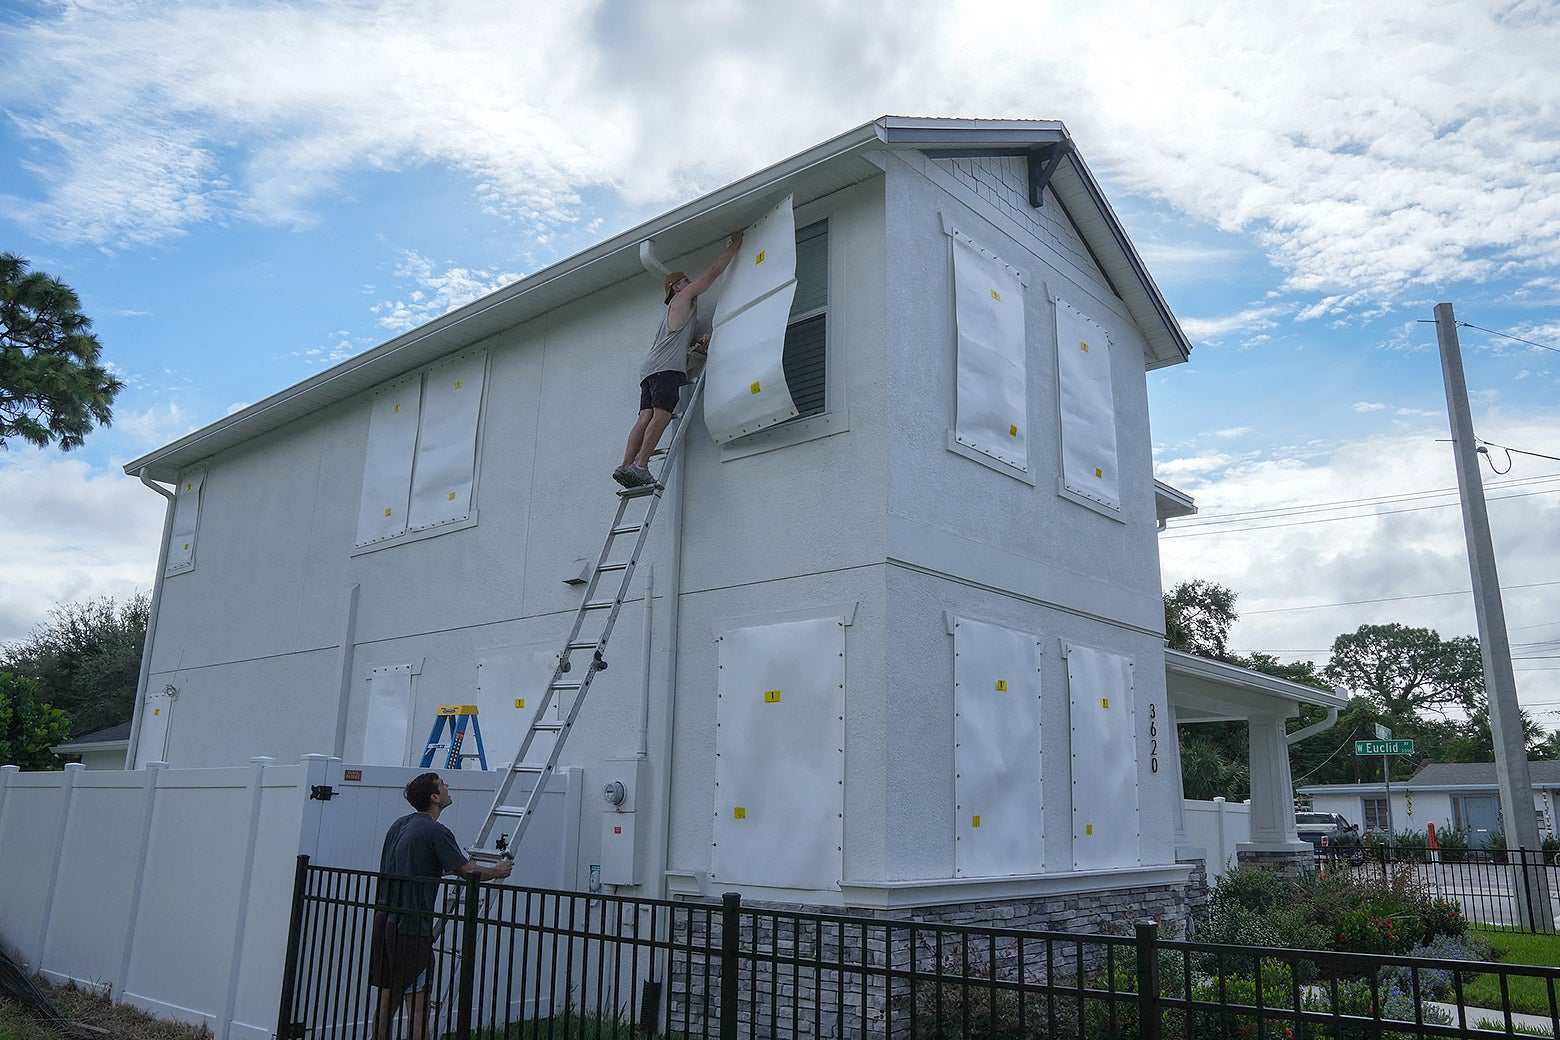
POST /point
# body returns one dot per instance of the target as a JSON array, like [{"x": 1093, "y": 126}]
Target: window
[
  {"x": 419, "y": 473},
  {"x": 1376, "y": 814},
  {"x": 805, "y": 354}
]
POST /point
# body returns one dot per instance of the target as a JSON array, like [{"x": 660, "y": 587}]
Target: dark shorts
[
  {"x": 660, "y": 390},
  {"x": 396, "y": 959}
]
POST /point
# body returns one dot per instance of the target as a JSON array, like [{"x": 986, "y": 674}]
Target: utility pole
[{"x": 1500, "y": 682}]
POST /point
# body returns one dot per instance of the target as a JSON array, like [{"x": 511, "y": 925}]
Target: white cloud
[
  {"x": 1358, "y": 144},
  {"x": 1250, "y": 320},
  {"x": 160, "y": 424},
  {"x": 434, "y": 291},
  {"x": 1291, "y": 553},
  {"x": 1368, "y": 406},
  {"x": 72, "y": 533}
]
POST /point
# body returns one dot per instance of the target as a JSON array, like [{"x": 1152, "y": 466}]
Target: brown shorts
[
  {"x": 398, "y": 959},
  {"x": 660, "y": 390}
]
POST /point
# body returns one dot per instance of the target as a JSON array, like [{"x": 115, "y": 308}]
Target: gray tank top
[{"x": 669, "y": 352}]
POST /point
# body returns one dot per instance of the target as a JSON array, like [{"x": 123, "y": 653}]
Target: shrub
[
  {"x": 1496, "y": 846},
  {"x": 1442, "y": 917}
]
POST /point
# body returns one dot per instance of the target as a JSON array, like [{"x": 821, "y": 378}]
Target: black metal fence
[
  {"x": 1516, "y": 888},
  {"x": 567, "y": 964}
]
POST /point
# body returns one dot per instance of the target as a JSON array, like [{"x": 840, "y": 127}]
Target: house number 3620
[{"x": 1153, "y": 732}]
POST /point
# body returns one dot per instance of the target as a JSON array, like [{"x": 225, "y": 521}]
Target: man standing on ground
[
  {"x": 400, "y": 959},
  {"x": 665, "y": 369}
]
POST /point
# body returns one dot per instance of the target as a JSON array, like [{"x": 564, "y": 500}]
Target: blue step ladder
[{"x": 460, "y": 717}]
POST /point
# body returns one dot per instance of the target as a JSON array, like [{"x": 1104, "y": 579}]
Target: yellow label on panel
[
  {"x": 1012, "y": 431},
  {"x": 1088, "y": 828},
  {"x": 1099, "y": 474},
  {"x": 156, "y": 711},
  {"x": 519, "y": 702},
  {"x": 771, "y": 696},
  {"x": 396, "y": 410},
  {"x": 753, "y": 389},
  {"x": 1085, "y": 347},
  {"x": 458, "y": 384},
  {"x": 387, "y": 510},
  {"x": 1105, "y": 702},
  {"x": 974, "y": 821},
  {"x": 186, "y": 545},
  {"x": 1001, "y": 685},
  {"x": 738, "y": 813},
  {"x": 452, "y": 496},
  {"x": 759, "y": 258},
  {"x": 188, "y": 487},
  {"x": 996, "y": 296}
]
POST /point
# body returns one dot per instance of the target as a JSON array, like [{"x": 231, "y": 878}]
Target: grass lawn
[{"x": 1529, "y": 995}]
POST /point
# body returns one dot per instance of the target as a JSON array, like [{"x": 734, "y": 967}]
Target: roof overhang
[
  {"x": 1171, "y": 503},
  {"x": 813, "y": 174},
  {"x": 1205, "y": 690}
]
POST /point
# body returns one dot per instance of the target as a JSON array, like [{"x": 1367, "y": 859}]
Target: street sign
[{"x": 1383, "y": 747}]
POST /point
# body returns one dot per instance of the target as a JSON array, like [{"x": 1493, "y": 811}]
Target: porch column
[{"x": 1273, "y": 838}]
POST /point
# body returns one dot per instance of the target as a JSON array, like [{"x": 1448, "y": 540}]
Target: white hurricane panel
[
  {"x": 156, "y": 720},
  {"x": 510, "y": 685},
  {"x": 387, "y": 466},
  {"x": 996, "y": 751},
  {"x": 745, "y": 388},
  {"x": 992, "y": 414},
  {"x": 780, "y": 756},
  {"x": 1104, "y": 759},
  {"x": 446, "y": 458},
  {"x": 389, "y": 716},
  {"x": 1088, "y": 407},
  {"x": 186, "y": 521}
]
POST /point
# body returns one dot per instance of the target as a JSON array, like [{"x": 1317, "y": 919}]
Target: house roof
[
  {"x": 1205, "y": 690},
  {"x": 828, "y": 167},
  {"x": 114, "y": 738},
  {"x": 1450, "y": 776}
]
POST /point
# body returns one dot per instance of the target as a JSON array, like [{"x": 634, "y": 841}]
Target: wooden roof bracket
[{"x": 1043, "y": 162}]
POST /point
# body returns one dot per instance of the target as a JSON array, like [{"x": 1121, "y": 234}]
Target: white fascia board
[{"x": 1244, "y": 680}]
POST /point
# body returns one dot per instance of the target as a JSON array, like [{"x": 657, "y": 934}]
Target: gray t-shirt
[
  {"x": 416, "y": 846},
  {"x": 669, "y": 352}
]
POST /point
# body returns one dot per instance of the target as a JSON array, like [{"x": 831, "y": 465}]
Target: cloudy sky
[{"x": 244, "y": 193}]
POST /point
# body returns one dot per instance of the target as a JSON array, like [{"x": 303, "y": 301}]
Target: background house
[
  {"x": 1452, "y": 795},
  {"x": 898, "y": 644}
]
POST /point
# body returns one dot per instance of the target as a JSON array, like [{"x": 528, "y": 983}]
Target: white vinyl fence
[
  {"x": 172, "y": 888},
  {"x": 1218, "y": 826}
]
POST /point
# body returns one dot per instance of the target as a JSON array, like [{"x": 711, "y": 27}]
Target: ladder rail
[{"x": 589, "y": 604}]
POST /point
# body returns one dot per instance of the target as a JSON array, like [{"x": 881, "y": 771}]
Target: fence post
[
  {"x": 285, "y": 1027},
  {"x": 730, "y": 934},
  {"x": 1148, "y": 979},
  {"x": 464, "y": 1006}
]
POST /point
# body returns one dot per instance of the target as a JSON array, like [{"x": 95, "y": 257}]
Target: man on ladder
[{"x": 665, "y": 368}]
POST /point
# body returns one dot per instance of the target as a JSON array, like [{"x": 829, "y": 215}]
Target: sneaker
[
  {"x": 639, "y": 476},
  {"x": 621, "y": 476}
]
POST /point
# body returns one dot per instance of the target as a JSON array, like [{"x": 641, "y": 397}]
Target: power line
[
  {"x": 1208, "y": 519},
  {"x": 1392, "y": 599},
  {"x": 1507, "y": 335},
  {"x": 1355, "y": 516}
]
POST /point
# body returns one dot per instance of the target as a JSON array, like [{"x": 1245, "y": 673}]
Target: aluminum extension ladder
[{"x": 593, "y": 623}]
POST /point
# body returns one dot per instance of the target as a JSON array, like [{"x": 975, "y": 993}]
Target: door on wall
[
  {"x": 1478, "y": 815},
  {"x": 156, "y": 720}
]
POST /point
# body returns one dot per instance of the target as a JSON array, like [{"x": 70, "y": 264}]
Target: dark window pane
[{"x": 803, "y": 361}]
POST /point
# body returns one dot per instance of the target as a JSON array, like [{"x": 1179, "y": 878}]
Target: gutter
[
  {"x": 1310, "y": 731},
  {"x": 151, "y": 621}
]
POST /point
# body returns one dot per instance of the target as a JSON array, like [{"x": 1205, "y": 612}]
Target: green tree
[
  {"x": 52, "y": 389},
  {"x": 28, "y": 727},
  {"x": 1406, "y": 671},
  {"x": 1198, "y": 618},
  {"x": 86, "y": 659}
]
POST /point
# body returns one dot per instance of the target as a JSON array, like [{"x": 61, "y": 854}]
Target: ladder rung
[
  {"x": 598, "y": 604},
  {"x": 566, "y": 684},
  {"x": 526, "y": 767},
  {"x": 626, "y": 529},
  {"x": 548, "y": 727},
  {"x": 621, "y": 565},
  {"x": 642, "y": 489},
  {"x": 511, "y": 811},
  {"x": 584, "y": 644}
]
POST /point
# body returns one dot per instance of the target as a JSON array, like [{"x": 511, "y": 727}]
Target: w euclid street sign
[{"x": 1383, "y": 747}]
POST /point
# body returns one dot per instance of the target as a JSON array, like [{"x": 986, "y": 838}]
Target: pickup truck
[{"x": 1324, "y": 829}]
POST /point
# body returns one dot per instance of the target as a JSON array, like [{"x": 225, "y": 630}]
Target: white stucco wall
[{"x": 874, "y": 513}]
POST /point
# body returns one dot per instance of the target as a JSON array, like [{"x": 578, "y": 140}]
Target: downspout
[
  {"x": 151, "y": 621},
  {"x": 1315, "y": 728}
]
